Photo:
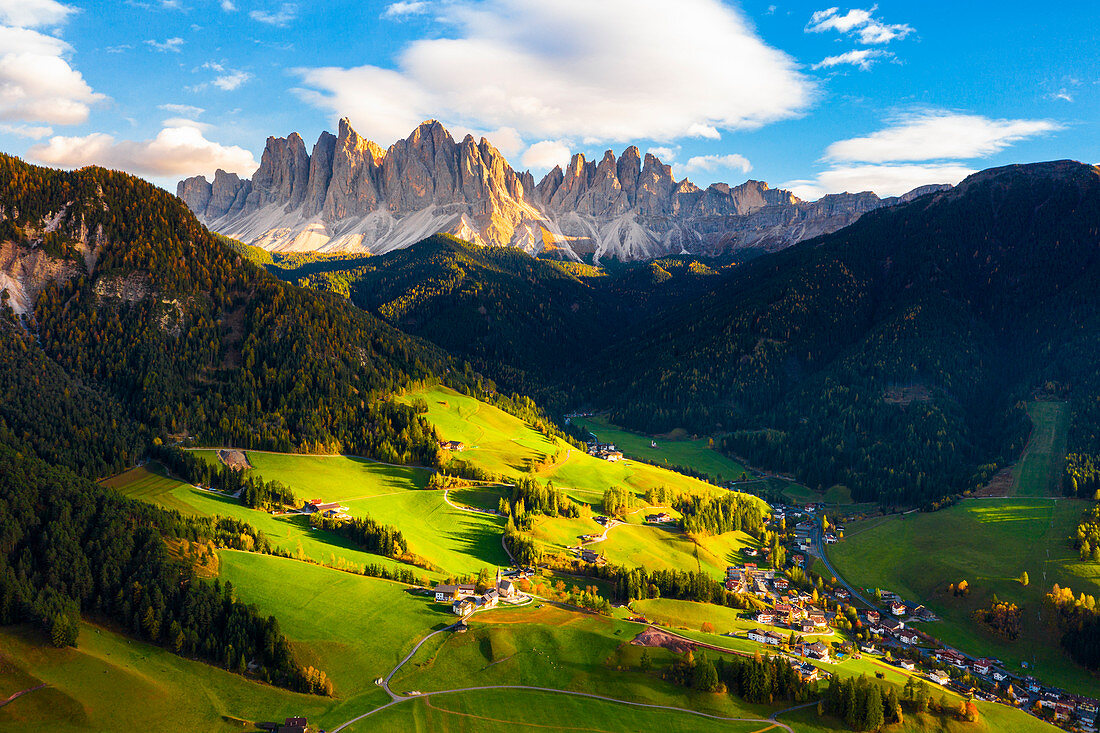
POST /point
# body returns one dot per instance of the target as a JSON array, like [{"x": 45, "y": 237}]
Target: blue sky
[{"x": 803, "y": 95}]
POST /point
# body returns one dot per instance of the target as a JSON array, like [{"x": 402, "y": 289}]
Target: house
[
  {"x": 897, "y": 608},
  {"x": 830, "y": 539},
  {"x": 1000, "y": 675},
  {"x": 292, "y": 725},
  {"x": 452, "y": 445},
  {"x": 325, "y": 507},
  {"x": 940, "y": 678},
  {"x": 807, "y": 671},
  {"x": 750, "y": 566},
  {"x": 872, "y": 616},
  {"x": 868, "y": 649},
  {"x": 842, "y": 594},
  {"x": 612, "y": 455},
  {"x": 765, "y": 618},
  {"x": 732, "y": 585},
  {"x": 908, "y": 637},
  {"x": 818, "y": 620},
  {"x": 765, "y": 637},
  {"x": 662, "y": 518},
  {"x": 876, "y": 629},
  {"x": 453, "y": 592},
  {"x": 506, "y": 588},
  {"x": 922, "y": 613},
  {"x": 907, "y": 664},
  {"x": 952, "y": 657},
  {"x": 818, "y": 650},
  {"x": 782, "y": 610},
  {"x": 463, "y": 606},
  {"x": 892, "y": 625},
  {"x": 780, "y": 584},
  {"x": 982, "y": 666},
  {"x": 806, "y": 627},
  {"x": 750, "y": 551}
]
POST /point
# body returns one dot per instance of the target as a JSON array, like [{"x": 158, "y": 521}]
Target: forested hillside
[
  {"x": 172, "y": 333},
  {"x": 530, "y": 323},
  {"x": 892, "y": 356}
]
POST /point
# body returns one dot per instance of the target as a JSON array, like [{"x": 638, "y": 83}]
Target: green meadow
[
  {"x": 989, "y": 543},
  {"x": 691, "y": 616},
  {"x": 506, "y": 711},
  {"x": 695, "y": 453},
  {"x": 1039, "y": 472},
  {"x": 110, "y": 682},
  {"x": 456, "y": 542},
  {"x": 505, "y": 445}
]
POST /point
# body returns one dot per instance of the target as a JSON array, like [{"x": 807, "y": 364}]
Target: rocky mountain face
[{"x": 349, "y": 194}]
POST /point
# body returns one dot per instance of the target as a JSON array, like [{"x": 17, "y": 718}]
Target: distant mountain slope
[
  {"x": 140, "y": 318},
  {"x": 890, "y": 355},
  {"x": 351, "y": 195}
]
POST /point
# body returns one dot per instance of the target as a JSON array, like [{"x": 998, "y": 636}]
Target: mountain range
[{"x": 350, "y": 195}]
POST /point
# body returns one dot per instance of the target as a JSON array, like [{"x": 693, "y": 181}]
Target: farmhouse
[
  {"x": 892, "y": 625},
  {"x": 872, "y": 616},
  {"x": 662, "y": 518},
  {"x": 453, "y": 592},
  {"x": 940, "y": 678},
  {"x": 818, "y": 620},
  {"x": 327, "y": 508},
  {"x": 589, "y": 556},
  {"x": 765, "y": 637},
  {"x": 463, "y": 606},
  {"x": 907, "y": 664},
  {"x": 765, "y": 618},
  {"x": 982, "y": 666},
  {"x": 1000, "y": 675},
  {"x": 897, "y": 608},
  {"x": 909, "y": 637},
  {"x": 806, "y": 627},
  {"x": 780, "y": 584},
  {"x": 952, "y": 657},
  {"x": 750, "y": 551},
  {"x": 452, "y": 445},
  {"x": 818, "y": 650}
]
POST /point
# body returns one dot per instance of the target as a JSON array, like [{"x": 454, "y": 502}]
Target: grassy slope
[
  {"x": 551, "y": 647},
  {"x": 988, "y": 543},
  {"x": 518, "y": 710},
  {"x": 691, "y": 616},
  {"x": 500, "y": 443},
  {"x": 696, "y": 454},
  {"x": 114, "y": 683},
  {"x": 1039, "y": 471},
  {"x": 354, "y": 628},
  {"x": 289, "y": 532}
]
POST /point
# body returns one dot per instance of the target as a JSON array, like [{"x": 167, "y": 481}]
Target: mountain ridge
[{"x": 350, "y": 195}]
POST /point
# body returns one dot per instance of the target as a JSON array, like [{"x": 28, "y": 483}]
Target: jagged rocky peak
[{"x": 349, "y": 194}]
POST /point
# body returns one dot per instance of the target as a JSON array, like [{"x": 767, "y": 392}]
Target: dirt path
[{"x": 16, "y": 695}]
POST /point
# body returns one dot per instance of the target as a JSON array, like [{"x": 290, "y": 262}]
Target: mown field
[
  {"x": 689, "y": 616},
  {"x": 112, "y": 683},
  {"x": 989, "y": 543},
  {"x": 1039, "y": 472},
  {"x": 696, "y": 453},
  {"x": 505, "y": 445},
  {"x": 455, "y": 541}
]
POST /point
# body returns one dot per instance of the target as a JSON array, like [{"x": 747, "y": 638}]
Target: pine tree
[{"x": 872, "y": 717}]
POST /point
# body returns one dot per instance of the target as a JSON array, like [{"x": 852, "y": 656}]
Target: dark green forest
[{"x": 894, "y": 356}]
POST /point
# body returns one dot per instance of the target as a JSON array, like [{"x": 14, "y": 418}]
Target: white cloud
[
  {"x": 183, "y": 110},
  {"x": 885, "y": 180},
  {"x": 935, "y": 135},
  {"x": 282, "y": 17},
  {"x": 1063, "y": 94},
  {"x": 168, "y": 44},
  {"x": 231, "y": 80},
  {"x": 864, "y": 58},
  {"x": 710, "y": 163},
  {"x": 402, "y": 10},
  {"x": 33, "y": 132},
  {"x": 228, "y": 6},
  {"x": 179, "y": 150},
  {"x": 858, "y": 23},
  {"x": 664, "y": 153},
  {"x": 33, "y": 13},
  {"x": 547, "y": 154},
  {"x": 36, "y": 82},
  {"x": 574, "y": 68}
]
